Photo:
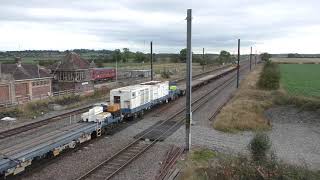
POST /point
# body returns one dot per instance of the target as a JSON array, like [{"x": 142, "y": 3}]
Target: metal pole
[
  {"x": 203, "y": 59},
  {"x": 117, "y": 69},
  {"x": 250, "y": 57},
  {"x": 255, "y": 58},
  {"x": 189, "y": 81},
  {"x": 238, "y": 67},
  {"x": 151, "y": 61}
]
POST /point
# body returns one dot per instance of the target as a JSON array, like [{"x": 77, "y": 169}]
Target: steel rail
[
  {"x": 181, "y": 120},
  {"x": 30, "y": 126}
]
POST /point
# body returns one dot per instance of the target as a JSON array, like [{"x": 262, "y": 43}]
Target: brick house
[
  {"x": 23, "y": 82},
  {"x": 72, "y": 73}
]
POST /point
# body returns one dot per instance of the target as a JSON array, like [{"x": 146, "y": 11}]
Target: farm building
[
  {"x": 21, "y": 82},
  {"x": 72, "y": 73}
]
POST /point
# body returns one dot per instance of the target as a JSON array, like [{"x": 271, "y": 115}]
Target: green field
[{"x": 301, "y": 79}]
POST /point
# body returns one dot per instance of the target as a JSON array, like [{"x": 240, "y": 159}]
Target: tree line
[{"x": 121, "y": 56}]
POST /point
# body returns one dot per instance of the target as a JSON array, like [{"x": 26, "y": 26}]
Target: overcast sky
[{"x": 275, "y": 26}]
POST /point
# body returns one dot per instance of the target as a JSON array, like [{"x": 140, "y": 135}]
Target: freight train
[
  {"x": 103, "y": 74},
  {"x": 131, "y": 102},
  {"x": 127, "y": 102}
]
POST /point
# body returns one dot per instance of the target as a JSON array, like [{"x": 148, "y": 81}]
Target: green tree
[
  {"x": 125, "y": 54},
  {"x": 265, "y": 56},
  {"x": 183, "y": 55},
  {"x": 140, "y": 57},
  {"x": 224, "y": 57},
  {"x": 116, "y": 55}
]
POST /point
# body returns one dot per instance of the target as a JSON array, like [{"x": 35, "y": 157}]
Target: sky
[{"x": 274, "y": 26}]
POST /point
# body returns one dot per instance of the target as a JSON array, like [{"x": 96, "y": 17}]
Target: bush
[
  {"x": 225, "y": 167},
  {"x": 304, "y": 103},
  {"x": 66, "y": 100},
  {"x": 14, "y": 112},
  {"x": 270, "y": 76},
  {"x": 259, "y": 146},
  {"x": 35, "y": 108},
  {"x": 165, "y": 74}
]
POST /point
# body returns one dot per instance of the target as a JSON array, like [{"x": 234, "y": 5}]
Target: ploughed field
[
  {"x": 301, "y": 79},
  {"x": 296, "y": 60}
]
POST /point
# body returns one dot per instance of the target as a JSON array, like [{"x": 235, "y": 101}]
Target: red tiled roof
[{"x": 72, "y": 61}]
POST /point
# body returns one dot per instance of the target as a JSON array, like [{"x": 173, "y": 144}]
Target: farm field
[
  {"x": 301, "y": 79},
  {"x": 296, "y": 60}
]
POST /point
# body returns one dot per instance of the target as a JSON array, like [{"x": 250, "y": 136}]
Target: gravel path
[{"x": 295, "y": 135}]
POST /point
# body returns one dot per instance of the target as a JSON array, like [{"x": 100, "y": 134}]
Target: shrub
[
  {"x": 304, "y": 103},
  {"x": 14, "y": 112},
  {"x": 165, "y": 74},
  {"x": 225, "y": 167},
  {"x": 66, "y": 100},
  {"x": 270, "y": 76},
  {"x": 202, "y": 155},
  {"x": 35, "y": 108},
  {"x": 259, "y": 146}
]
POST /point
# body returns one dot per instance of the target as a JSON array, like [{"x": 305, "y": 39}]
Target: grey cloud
[{"x": 216, "y": 24}]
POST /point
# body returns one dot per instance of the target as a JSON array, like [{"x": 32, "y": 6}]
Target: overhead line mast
[{"x": 188, "y": 81}]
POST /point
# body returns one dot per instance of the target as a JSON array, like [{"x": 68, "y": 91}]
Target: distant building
[
  {"x": 72, "y": 73},
  {"x": 21, "y": 82}
]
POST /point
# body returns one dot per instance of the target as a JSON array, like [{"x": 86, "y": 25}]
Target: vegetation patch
[
  {"x": 259, "y": 146},
  {"x": 67, "y": 100},
  {"x": 270, "y": 76},
  {"x": 35, "y": 108},
  {"x": 12, "y": 112},
  {"x": 262, "y": 165},
  {"x": 301, "y": 79},
  {"x": 242, "y": 167},
  {"x": 245, "y": 110},
  {"x": 301, "y": 102},
  {"x": 203, "y": 155}
]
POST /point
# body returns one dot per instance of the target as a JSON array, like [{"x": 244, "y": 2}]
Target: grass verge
[
  {"x": 258, "y": 92},
  {"x": 245, "y": 110},
  {"x": 222, "y": 166}
]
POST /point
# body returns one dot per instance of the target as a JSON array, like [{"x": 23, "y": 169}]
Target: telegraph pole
[
  {"x": 238, "y": 67},
  {"x": 189, "y": 81},
  {"x": 250, "y": 57},
  {"x": 151, "y": 60}
]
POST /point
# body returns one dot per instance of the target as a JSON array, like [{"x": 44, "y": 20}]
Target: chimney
[{"x": 18, "y": 61}]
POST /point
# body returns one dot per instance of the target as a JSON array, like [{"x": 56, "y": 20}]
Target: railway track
[
  {"x": 215, "y": 113},
  {"x": 201, "y": 74},
  {"x": 30, "y": 126},
  {"x": 111, "y": 166}
]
